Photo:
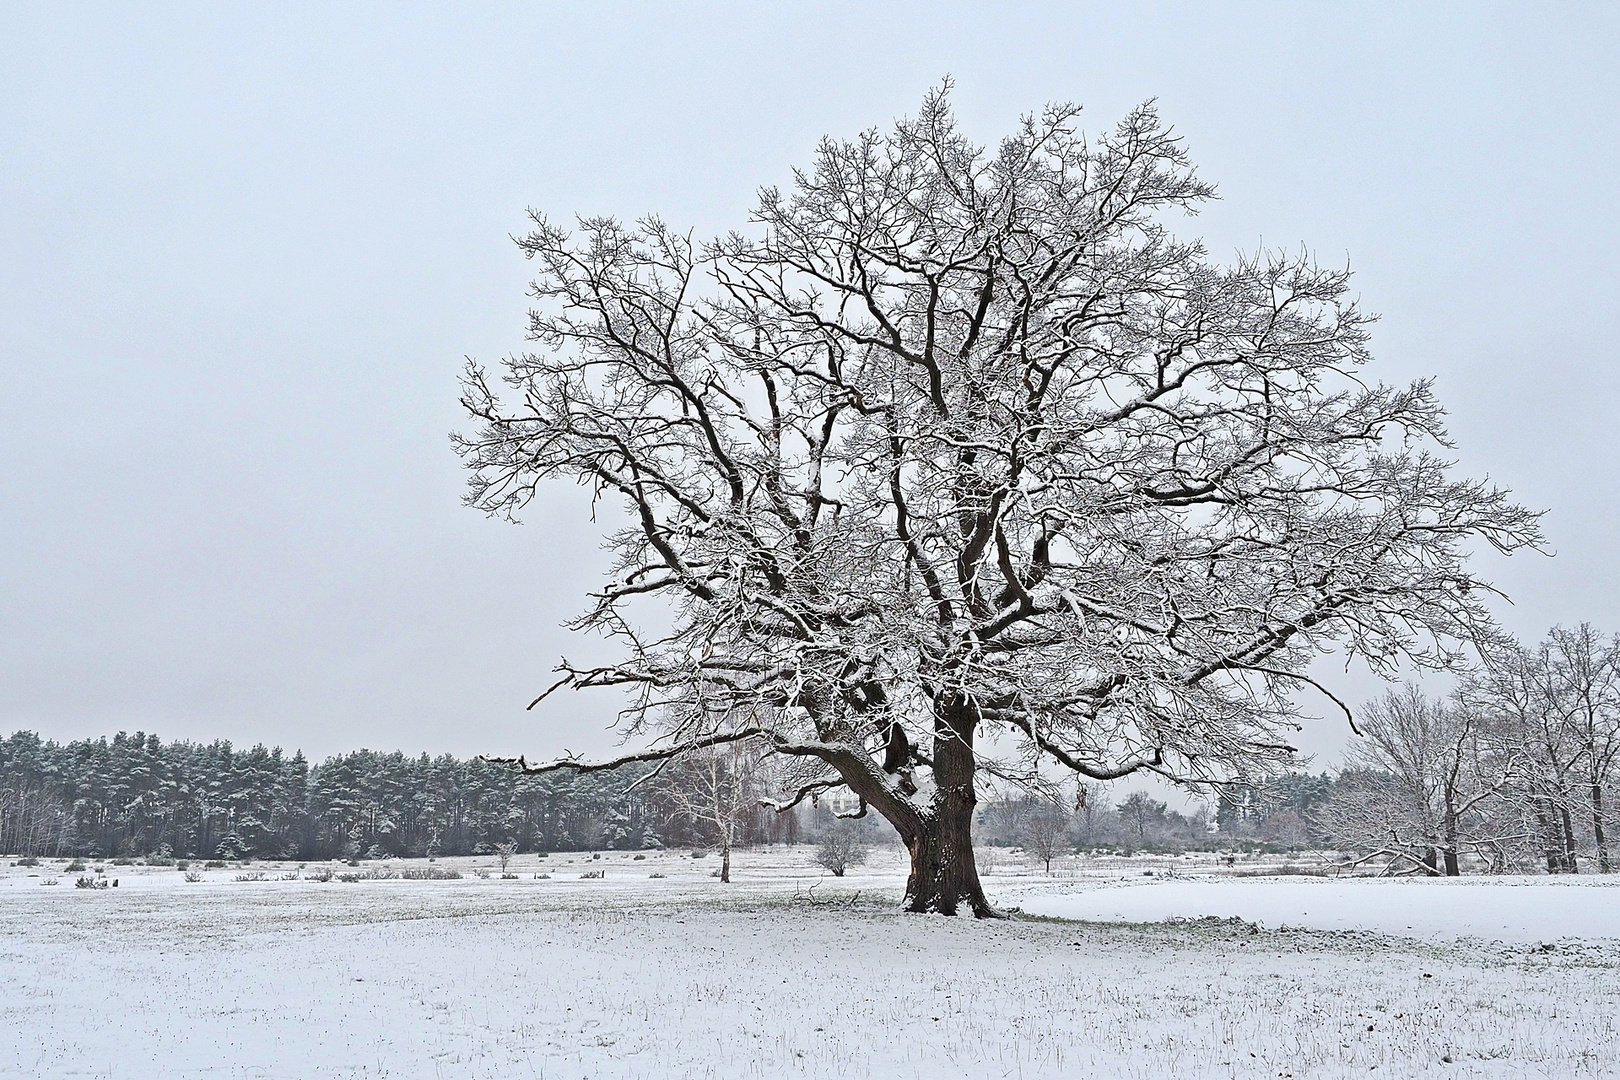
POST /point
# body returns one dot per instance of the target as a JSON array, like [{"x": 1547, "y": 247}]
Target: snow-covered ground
[
  {"x": 680, "y": 976},
  {"x": 1501, "y": 909}
]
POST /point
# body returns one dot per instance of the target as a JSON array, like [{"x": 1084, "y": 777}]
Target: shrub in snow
[{"x": 841, "y": 847}]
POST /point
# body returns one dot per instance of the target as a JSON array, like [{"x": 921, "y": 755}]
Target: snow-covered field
[
  {"x": 680, "y": 976},
  {"x": 1499, "y": 909}
]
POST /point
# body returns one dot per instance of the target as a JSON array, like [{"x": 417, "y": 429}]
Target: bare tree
[
  {"x": 1583, "y": 672},
  {"x": 1044, "y": 832},
  {"x": 1141, "y": 812},
  {"x": 715, "y": 788},
  {"x": 1090, "y": 803},
  {"x": 1419, "y": 778},
  {"x": 841, "y": 847},
  {"x": 962, "y": 448},
  {"x": 1557, "y": 709},
  {"x": 503, "y": 854}
]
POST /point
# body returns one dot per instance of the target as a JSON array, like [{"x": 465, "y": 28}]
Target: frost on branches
[{"x": 959, "y": 461}]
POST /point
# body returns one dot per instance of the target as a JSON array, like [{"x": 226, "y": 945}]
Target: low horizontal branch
[{"x": 658, "y": 754}]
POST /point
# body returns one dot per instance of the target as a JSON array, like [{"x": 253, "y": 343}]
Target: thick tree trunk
[
  {"x": 1597, "y": 829},
  {"x": 1450, "y": 851},
  {"x": 1570, "y": 865},
  {"x": 1552, "y": 838},
  {"x": 944, "y": 878},
  {"x": 725, "y": 864}
]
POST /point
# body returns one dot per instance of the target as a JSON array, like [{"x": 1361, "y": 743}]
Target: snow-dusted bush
[{"x": 841, "y": 847}]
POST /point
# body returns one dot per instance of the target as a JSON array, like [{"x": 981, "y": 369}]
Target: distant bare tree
[
  {"x": 1090, "y": 804},
  {"x": 715, "y": 788},
  {"x": 961, "y": 442},
  {"x": 1044, "y": 833},
  {"x": 1286, "y": 829},
  {"x": 1556, "y": 708},
  {"x": 503, "y": 854},
  {"x": 1583, "y": 670},
  {"x": 1419, "y": 778},
  {"x": 1140, "y": 813}
]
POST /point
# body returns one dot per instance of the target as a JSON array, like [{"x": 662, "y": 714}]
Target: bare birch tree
[
  {"x": 714, "y": 788},
  {"x": 959, "y": 446}
]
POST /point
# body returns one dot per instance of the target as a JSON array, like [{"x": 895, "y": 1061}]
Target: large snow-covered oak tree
[{"x": 957, "y": 451}]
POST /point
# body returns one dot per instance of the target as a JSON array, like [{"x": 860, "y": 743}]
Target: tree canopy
[{"x": 956, "y": 440}]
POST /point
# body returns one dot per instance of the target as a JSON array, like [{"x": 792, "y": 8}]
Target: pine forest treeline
[{"x": 136, "y": 795}]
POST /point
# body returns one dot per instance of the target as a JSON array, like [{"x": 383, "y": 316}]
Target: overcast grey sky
[{"x": 243, "y": 251}]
